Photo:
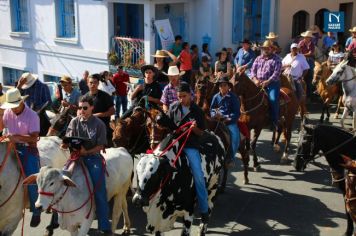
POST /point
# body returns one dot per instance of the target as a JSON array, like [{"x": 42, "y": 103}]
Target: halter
[{"x": 256, "y": 107}]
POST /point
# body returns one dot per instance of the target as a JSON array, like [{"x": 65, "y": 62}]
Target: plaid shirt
[
  {"x": 169, "y": 95},
  {"x": 265, "y": 68}
]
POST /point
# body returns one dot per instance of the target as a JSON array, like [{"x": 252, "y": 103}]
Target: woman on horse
[
  {"x": 225, "y": 106},
  {"x": 335, "y": 55},
  {"x": 222, "y": 65},
  {"x": 23, "y": 128}
]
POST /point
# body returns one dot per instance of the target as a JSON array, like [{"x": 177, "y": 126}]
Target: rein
[
  {"x": 254, "y": 108},
  {"x": 74, "y": 157},
  {"x": 173, "y": 163}
]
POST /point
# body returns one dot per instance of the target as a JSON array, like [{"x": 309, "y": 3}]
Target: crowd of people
[{"x": 167, "y": 83}]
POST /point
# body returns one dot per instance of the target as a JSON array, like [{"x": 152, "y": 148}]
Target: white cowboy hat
[
  {"x": 307, "y": 33},
  {"x": 271, "y": 35},
  {"x": 294, "y": 45},
  {"x": 173, "y": 71},
  {"x": 13, "y": 98},
  {"x": 30, "y": 80},
  {"x": 353, "y": 30}
]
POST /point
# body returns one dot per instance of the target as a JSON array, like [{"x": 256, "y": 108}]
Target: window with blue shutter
[
  {"x": 10, "y": 75},
  {"x": 266, "y": 10},
  {"x": 237, "y": 21},
  {"x": 250, "y": 19},
  {"x": 19, "y": 15},
  {"x": 65, "y": 18}
]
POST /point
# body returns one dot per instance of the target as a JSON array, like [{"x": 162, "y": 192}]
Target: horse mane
[{"x": 336, "y": 129}]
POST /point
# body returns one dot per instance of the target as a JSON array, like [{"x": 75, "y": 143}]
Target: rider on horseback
[
  {"x": 295, "y": 68},
  {"x": 88, "y": 126},
  {"x": 225, "y": 106},
  {"x": 181, "y": 112},
  {"x": 23, "y": 128},
  {"x": 265, "y": 73}
]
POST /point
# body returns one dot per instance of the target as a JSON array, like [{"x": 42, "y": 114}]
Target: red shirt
[
  {"x": 119, "y": 80},
  {"x": 352, "y": 45},
  {"x": 305, "y": 47},
  {"x": 185, "y": 59}
]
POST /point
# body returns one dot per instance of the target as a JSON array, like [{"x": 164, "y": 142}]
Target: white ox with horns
[{"x": 70, "y": 193}]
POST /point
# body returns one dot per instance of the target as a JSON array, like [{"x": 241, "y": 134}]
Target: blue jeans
[
  {"x": 298, "y": 89},
  {"x": 96, "y": 172},
  {"x": 309, "y": 77},
  {"x": 31, "y": 165},
  {"x": 235, "y": 139},
  {"x": 120, "y": 101},
  {"x": 273, "y": 98},
  {"x": 194, "y": 160}
]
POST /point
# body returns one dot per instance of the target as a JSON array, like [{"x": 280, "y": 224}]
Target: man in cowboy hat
[
  {"x": 225, "y": 106},
  {"x": 307, "y": 48},
  {"x": 273, "y": 38},
  {"x": 266, "y": 72},
  {"x": 23, "y": 128},
  {"x": 244, "y": 58},
  {"x": 150, "y": 89},
  {"x": 351, "y": 38},
  {"x": 169, "y": 94},
  {"x": 69, "y": 96},
  {"x": 38, "y": 92}
]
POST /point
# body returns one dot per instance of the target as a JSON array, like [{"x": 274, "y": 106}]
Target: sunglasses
[{"x": 84, "y": 108}]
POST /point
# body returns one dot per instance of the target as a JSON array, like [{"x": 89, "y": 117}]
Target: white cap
[{"x": 294, "y": 45}]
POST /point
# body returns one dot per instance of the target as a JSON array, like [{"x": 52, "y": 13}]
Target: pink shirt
[{"x": 26, "y": 123}]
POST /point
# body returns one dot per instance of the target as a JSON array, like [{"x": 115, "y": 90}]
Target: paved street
[{"x": 278, "y": 201}]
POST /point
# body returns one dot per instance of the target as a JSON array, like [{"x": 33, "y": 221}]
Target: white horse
[{"x": 347, "y": 76}]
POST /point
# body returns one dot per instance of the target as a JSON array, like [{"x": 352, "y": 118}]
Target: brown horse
[
  {"x": 255, "y": 112},
  {"x": 327, "y": 93},
  {"x": 130, "y": 133},
  {"x": 205, "y": 90},
  {"x": 61, "y": 121},
  {"x": 350, "y": 187}
]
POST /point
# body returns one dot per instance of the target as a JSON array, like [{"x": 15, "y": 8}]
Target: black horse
[{"x": 333, "y": 142}]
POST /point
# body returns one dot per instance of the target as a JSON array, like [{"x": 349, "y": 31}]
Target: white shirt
[
  {"x": 107, "y": 88},
  {"x": 298, "y": 65}
]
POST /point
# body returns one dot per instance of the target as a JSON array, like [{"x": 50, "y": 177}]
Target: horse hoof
[
  {"x": 327, "y": 119},
  {"x": 126, "y": 232},
  {"x": 336, "y": 117},
  {"x": 284, "y": 160},
  {"x": 48, "y": 232},
  {"x": 257, "y": 168},
  {"x": 246, "y": 181},
  {"x": 203, "y": 228},
  {"x": 276, "y": 148}
]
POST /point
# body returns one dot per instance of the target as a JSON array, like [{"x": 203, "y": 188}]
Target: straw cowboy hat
[
  {"x": 353, "y": 30},
  {"x": 271, "y": 35},
  {"x": 66, "y": 79},
  {"x": 307, "y": 33},
  {"x": 267, "y": 44},
  {"x": 173, "y": 71},
  {"x": 30, "y": 80},
  {"x": 13, "y": 99},
  {"x": 160, "y": 54}
]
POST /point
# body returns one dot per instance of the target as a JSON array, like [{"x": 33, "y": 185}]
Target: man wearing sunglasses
[{"x": 87, "y": 125}]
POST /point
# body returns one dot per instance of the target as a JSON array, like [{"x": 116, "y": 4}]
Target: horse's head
[
  {"x": 151, "y": 172},
  {"x": 203, "y": 89},
  {"x": 156, "y": 132},
  {"x": 126, "y": 130},
  {"x": 350, "y": 178},
  {"x": 242, "y": 84},
  {"x": 318, "y": 71},
  {"x": 338, "y": 73},
  {"x": 306, "y": 147},
  {"x": 60, "y": 122}
]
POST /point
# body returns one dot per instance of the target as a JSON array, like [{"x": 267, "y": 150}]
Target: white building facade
[{"x": 56, "y": 37}]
